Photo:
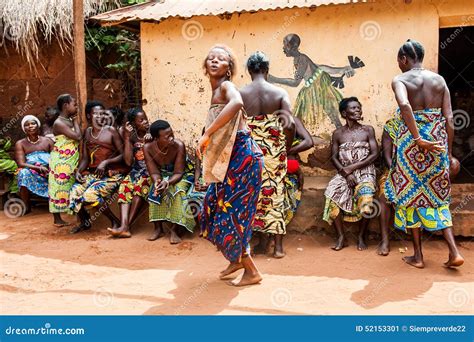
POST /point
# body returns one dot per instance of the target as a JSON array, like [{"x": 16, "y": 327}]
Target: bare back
[
  {"x": 261, "y": 97},
  {"x": 425, "y": 89}
]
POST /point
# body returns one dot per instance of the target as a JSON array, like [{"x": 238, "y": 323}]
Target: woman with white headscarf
[{"x": 32, "y": 156}]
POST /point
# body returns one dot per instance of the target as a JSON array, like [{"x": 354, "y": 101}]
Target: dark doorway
[{"x": 456, "y": 65}]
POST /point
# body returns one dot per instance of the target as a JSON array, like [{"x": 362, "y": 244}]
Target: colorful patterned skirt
[
  {"x": 317, "y": 100},
  {"x": 131, "y": 187},
  {"x": 229, "y": 207},
  {"x": 62, "y": 167},
  {"x": 32, "y": 180},
  {"x": 267, "y": 132},
  {"x": 418, "y": 183},
  {"x": 173, "y": 205},
  {"x": 94, "y": 191}
]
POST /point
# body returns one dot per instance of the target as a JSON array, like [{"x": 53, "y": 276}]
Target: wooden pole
[{"x": 79, "y": 54}]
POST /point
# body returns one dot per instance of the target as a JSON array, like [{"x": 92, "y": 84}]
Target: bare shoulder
[
  {"x": 20, "y": 143},
  {"x": 368, "y": 128},
  {"x": 148, "y": 147},
  {"x": 179, "y": 144},
  {"x": 337, "y": 132},
  {"x": 228, "y": 85}
]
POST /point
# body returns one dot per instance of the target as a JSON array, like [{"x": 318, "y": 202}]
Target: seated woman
[
  {"x": 135, "y": 188},
  {"x": 171, "y": 176},
  {"x": 32, "y": 156},
  {"x": 294, "y": 176},
  {"x": 349, "y": 195},
  {"x": 100, "y": 171}
]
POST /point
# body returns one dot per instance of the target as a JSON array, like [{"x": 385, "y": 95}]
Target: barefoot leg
[
  {"x": 341, "y": 241},
  {"x": 251, "y": 274},
  {"x": 278, "y": 252},
  {"x": 233, "y": 267},
  {"x": 455, "y": 258},
  {"x": 417, "y": 259},
  {"x": 25, "y": 198},
  {"x": 157, "y": 231},
  {"x": 136, "y": 207},
  {"x": 363, "y": 224},
  {"x": 263, "y": 242},
  {"x": 114, "y": 221},
  {"x": 84, "y": 222},
  {"x": 174, "y": 237},
  {"x": 58, "y": 221},
  {"x": 123, "y": 230},
  {"x": 384, "y": 220}
]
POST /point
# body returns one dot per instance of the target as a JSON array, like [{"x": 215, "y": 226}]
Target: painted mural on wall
[{"x": 319, "y": 97}]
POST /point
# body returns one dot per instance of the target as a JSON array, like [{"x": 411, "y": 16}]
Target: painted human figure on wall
[{"x": 318, "y": 98}]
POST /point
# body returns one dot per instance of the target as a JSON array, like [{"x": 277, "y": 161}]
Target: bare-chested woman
[
  {"x": 418, "y": 183},
  {"x": 273, "y": 129},
  {"x": 32, "y": 157},
  {"x": 232, "y": 165}
]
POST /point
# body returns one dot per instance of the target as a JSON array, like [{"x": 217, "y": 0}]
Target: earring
[{"x": 228, "y": 74}]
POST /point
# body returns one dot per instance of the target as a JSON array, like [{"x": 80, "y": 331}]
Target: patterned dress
[
  {"x": 137, "y": 182},
  {"x": 31, "y": 179},
  {"x": 62, "y": 167},
  {"x": 418, "y": 183},
  {"x": 229, "y": 207},
  {"x": 339, "y": 196},
  {"x": 267, "y": 132},
  {"x": 172, "y": 206},
  {"x": 94, "y": 191}
]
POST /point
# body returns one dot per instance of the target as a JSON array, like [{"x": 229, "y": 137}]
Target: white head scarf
[{"x": 29, "y": 118}]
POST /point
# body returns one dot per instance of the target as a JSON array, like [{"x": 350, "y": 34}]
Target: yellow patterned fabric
[
  {"x": 62, "y": 165},
  {"x": 267, "y": 132}
]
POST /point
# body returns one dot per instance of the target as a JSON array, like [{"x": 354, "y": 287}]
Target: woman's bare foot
[
  {"x": 79, "y": 228},
  {"x": 340, "y": 243},
  {"x": 278, "y": 254},
  {"x": 60, "y": 223},
  {"x": 174, "y": 238},
  {"x": 119, "y": 232},
  {"x": 233, "y": 267},
  {"x": 361, "y": 245},
  {"x": 247, "y": 279},
  {"x": 155, "y": 236},
  {"x": 383, "y": 249},
  {"x": 414, "y": 261},
  {"x": 454, "y": 261}
]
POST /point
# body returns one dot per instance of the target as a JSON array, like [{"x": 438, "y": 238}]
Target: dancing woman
[{"x": 232, "y": 165}]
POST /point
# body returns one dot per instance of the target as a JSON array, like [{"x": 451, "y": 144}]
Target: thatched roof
[{"x": 25, "y": 23}]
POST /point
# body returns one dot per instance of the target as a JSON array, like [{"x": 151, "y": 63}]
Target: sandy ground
[{"x": 47, "y": 271}]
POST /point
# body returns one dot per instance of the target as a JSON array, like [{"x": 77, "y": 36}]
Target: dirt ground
[{"x": 47, "y": 271}]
